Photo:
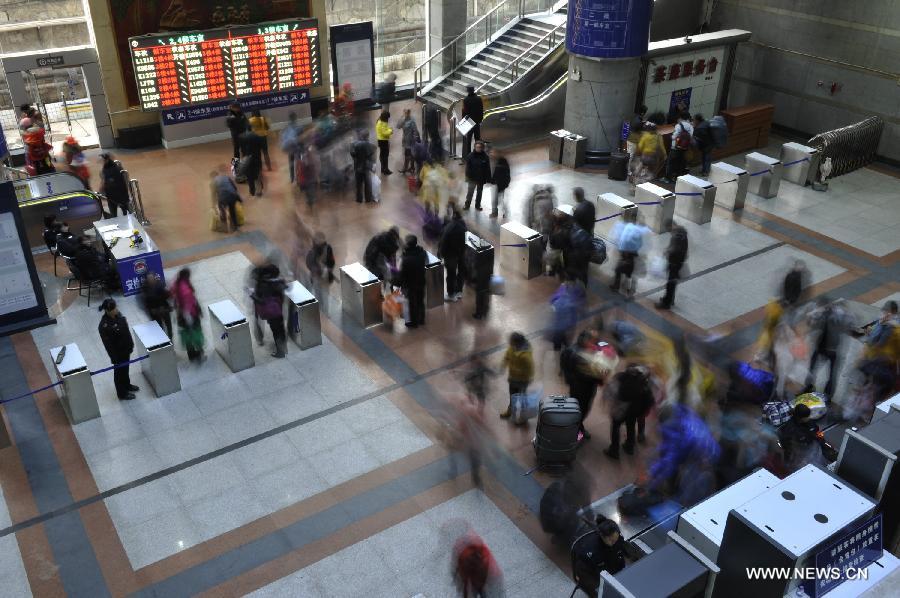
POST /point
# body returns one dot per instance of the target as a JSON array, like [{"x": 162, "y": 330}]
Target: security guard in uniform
[{"x": 118, "y": 343}]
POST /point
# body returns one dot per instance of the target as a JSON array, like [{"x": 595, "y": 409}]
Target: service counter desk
[
  {"x": 231, "y": 335},
  {"x": 304, "y": 324},
  {"x": 132, "y": 262},
  {"x": 161, "y": 366},
  {"x": 434, "y": 281},
  {"x": 361, "y": 294},
  {"x": 521, "y": 249},
  {"x": 78, "y": 397}
]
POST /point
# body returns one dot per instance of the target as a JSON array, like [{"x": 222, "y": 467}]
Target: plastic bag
[
  {"x": 215, "y": 222},
  {"x": 239, "y": 213},
  {"x": 658, "y": 267},
  {"x": 498, "y": 285},
  {"x": 525, "y": 406},
  {"x": 815, "y": 402},
  {"x": 392, "y": 306},
  {"x": 376, "y": 188}
]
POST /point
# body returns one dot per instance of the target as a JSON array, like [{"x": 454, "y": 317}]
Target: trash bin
[
  {"x": 434, "y": 281},
  {"x": 522, "y": 249},
  {"x": 555, "y": 145},
  {"x": 765, "y": 174},
  {"x": 161, "y": 366},
  {"x": 361, "y": 294},
  {"x": 78, "y": 397},
  {"x": 618, "y": 166},
  {"x": 231, "y": 335},
  {"x": 574, "y": 147},
  {"x": 731, "y": 185},
  {"x": 303, "y": 323},
  {"x": 696, "y": 208},
  {"x": 658, "y": 216},
  {"x": 800, "y": 163}
]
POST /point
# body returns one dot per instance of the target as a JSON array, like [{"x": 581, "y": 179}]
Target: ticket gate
[
  {"x": 231, "y": 335},
  {"x": 361, "y": 294},
  {"x": 731, "y": 185}
]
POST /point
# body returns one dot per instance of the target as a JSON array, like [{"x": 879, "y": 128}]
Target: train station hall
[{"x": 449, "y": 298}]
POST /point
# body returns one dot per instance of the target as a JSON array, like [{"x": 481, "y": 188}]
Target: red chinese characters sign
[
  {"x": 683, "y": 69},
  {"x": 233, "y": 62}
]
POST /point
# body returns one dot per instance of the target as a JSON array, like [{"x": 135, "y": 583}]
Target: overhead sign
[
  {"x": 692, "y": 78},
  {"x": 232, "y": 62},
  {"x": 220, "y": 109},
  {"x": 608, "y": 28},
  {"x": 45, "y": 61}
]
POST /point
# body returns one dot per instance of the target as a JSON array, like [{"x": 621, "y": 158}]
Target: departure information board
[{"x": 232, "y": 62}]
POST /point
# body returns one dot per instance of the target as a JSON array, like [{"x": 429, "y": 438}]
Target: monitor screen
[{"x": 182, "y": 68}]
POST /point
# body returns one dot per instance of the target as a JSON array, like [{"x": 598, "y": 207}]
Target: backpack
[
  {"x": 719, "y": 131},
  {"x": 683, "y": 139},
  {"x": 598, "y": 252}
]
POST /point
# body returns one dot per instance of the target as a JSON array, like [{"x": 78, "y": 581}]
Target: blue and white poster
[
  {"x": 608, "y": 28},
  {"x": 133, "y": 271},
  {"x": 844, "y": 559},
  {"x": 179, "y": 116}
]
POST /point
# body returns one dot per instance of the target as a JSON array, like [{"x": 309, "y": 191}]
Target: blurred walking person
[
  {"x": 412, "y": 280},
  {"x": 475, "y": 570},
  {"x": 226, "y": 196},
  {"x": 383, "y": 133},
  {"x": 291, "y": 141},
  {"x": 363, "y": 154},
  {"x": 676, "y": 256},
  {"x": 259, "y": 124},
  {"x": 519, "y": 362},
  {"x": 410, "y": 136},
  {"x": 155, "y": 300},
  {"x": 478, "y": 172},
  {"x": 631, "y": 396},
  {"x": 268, "y": 302},
  {"x": 237, "y": 126},
  {"x": 188, "y": 315},
  {"x": 451, "y": 249},
  {"x": 251, "y": 161},
  {"x": 113, "y": 185},
  {"x": 501, "y": 179}
]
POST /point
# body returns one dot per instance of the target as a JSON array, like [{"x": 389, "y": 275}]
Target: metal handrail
[
  {"x": 417, "y": 74},
  {"x": 138, "y": 201},
  {"x": 514, "y": 65},
  {"x": 13, "y": 174}
]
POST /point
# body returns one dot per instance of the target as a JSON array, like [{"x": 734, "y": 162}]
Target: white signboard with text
[{"x": 692, "y": 79}]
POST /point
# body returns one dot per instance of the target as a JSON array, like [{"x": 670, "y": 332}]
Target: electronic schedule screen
[{"x": 181, "y": 68}]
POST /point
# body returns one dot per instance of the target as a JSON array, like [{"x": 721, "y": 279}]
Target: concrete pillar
[
  {"x": 446, "y": 19},
  {"x": 600, "y": 95},
  {"x": 94, "y": 84}
]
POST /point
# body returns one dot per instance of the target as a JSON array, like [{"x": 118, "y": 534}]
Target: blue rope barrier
[
  {"x": 689, "y": 193},
  {"x": 649, "y": 203},
  {"x": 514, "y": 245},
  {"x": 608, "y": 217},
  {"x": 49, "y": 386},
  {"x": 760, "y": 172},
  {"x": 786, "y": 164}
]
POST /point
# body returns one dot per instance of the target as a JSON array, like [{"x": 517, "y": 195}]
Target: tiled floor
[
  {"x": 12, "y": 571},
  {"x": 216, "y": 409},
  {"x": 413, "y": 558}
]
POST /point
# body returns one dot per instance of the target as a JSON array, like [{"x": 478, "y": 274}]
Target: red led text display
[{"x": 217, "y": 64}]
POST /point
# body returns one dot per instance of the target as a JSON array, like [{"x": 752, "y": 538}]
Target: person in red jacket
[{"x": 476, "y": 572}]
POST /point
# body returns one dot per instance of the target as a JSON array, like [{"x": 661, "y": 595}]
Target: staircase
[{"x": 503, "y": 60}]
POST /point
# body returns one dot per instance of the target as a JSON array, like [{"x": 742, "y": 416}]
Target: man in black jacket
[
  {"x": 381, "y": 253},
  {"x": 451, "y": 249},
  {"x": 703, "y": 138},
  {"x": 472, "y": 107},
  {"x": 237, "y": 125},
  {"x": 118, "y": 344},
  {"x": 113, "y": 185},
  {"x": 412, "y": 280},
  {"x": 582, "y": 385},
  {"x": 363, "y": 153},
  {"x": 251, "y": 162},
  {"x": 585, "y": 213},
  {"x": 93, "y": 265},
  {"x": 676, "y": 255},
  {"x": 577, "y": 253},
  {"x": 478, "y": 172}
]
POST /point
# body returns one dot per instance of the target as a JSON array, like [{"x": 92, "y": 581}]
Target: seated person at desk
[
  {"x": 93, "y": 264},
  {"x": 601, "y": 551},
  {"x": 66, "y": 242}
]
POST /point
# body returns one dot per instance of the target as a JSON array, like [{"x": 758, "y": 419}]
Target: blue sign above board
[
  {"x": 608, "y": 28},
  {"x": 179, "y": 116},
  {"x": 846, "y": 558}
]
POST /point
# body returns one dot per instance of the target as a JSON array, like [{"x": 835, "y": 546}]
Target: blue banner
[
  {"x": 608, "y": 28},
  {"x": 134, "y": 270},
  {"x": 844, "y": 559},
  {"x": 179, "y": 116}
]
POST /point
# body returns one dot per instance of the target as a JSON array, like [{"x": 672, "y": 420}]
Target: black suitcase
[
  {"x": 556, "y": 437},
  {"x": 618, "y": 166}
]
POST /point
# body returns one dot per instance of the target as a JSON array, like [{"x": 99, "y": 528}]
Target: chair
[
  {"x": 84, "y": 282},
  {"x": 587, "y": 577},
  {"x": 50, "y": 241}
]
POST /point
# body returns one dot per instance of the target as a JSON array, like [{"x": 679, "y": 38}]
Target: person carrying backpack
[
  {"x": 703, "y": 139},
  {"x": 682, "y": 140}
]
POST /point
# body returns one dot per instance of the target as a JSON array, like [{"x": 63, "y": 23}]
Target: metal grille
[{"x": 849, "y": 147}]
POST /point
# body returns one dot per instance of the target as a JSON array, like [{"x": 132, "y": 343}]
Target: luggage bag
[{"x": 556, "y": 437}]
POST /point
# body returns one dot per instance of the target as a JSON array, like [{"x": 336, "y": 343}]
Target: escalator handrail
[
  {"x": 56, "y": 173},
  {"x": 515, "y": 62},
  {"x": 531, "y": 102},
  {"x": 47, "y": 198}
]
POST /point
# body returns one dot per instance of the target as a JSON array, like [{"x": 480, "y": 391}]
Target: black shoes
[
  {"x": 661, "y": 305},
  {"x": 128, "y": 397},
  {"x": 611, "y": 454},
  {"x": 133, "y": 388}
]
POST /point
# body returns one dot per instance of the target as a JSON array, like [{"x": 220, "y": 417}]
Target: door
[{"x": 60, "y": 94}]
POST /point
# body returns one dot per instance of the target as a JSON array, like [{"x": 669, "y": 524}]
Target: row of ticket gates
[{"x": 842, "y": 522}]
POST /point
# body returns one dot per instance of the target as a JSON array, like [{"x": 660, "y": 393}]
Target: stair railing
[
  {"x": 513, "y": 67},
  {"x": 491, "y": 22}
]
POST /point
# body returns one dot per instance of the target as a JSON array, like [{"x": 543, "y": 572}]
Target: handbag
[
  {"x": 215, "y": 222},
  {"x": 239, "y": 213},
  {"x": 777, "y": 412},
  {"x": 269, "y": 308}
]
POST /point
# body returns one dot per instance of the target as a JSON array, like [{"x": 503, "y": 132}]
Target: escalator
[{"x": 59, "y": 194}]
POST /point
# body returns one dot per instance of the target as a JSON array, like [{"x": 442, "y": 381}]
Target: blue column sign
[{"x": 608, "y": 28}]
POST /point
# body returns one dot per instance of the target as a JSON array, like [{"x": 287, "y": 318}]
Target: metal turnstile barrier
[
  {"x": 608, "y": 207},
  {"x": 78, "y": 398},
  {"x": 657, "y": 205},
  {"x": 522, "y": 249},
  {"x": 231, "y": 335},
  {"x": 800, "y": 162},
  {"x": 765, "y": 174},
  {"x": 161, "y": 366},
  {"x": 479, "y": 253},
  {"x": 555, "y": 145},
  {"x": 304, "y": 323},
  {"x": 695, "y": 198},
  {"x": 434, "y": 281},
  {"x": 361, "y": 294},
  {"x": 731, "y": 183},
  {"x": 574, "y": 148}
]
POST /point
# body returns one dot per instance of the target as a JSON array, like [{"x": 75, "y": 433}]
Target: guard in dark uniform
[{"x": 118, "y": 343}]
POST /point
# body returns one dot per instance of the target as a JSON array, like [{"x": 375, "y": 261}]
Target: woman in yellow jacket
[
  {"x": 259, "y": 124},
  {"x": 383, "y": 132},
  {"x": 519, "y": 360}
]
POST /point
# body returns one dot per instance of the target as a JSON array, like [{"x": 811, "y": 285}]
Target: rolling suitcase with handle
[{"x": 556, "y": 437}]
